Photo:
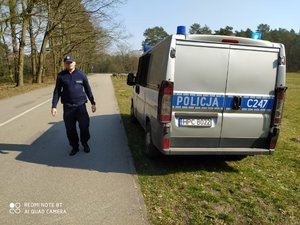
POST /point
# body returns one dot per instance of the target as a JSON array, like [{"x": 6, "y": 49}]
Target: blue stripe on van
[
  {"x": 216, "y": 102},
  {"x": 252, "y": 103},
  {"x": 197, "y": 101}
]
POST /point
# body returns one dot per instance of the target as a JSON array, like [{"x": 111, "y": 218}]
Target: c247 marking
[{"x": 256, "y": 103}]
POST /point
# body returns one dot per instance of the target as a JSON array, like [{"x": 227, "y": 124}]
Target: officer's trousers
[{"x": 72, "y": 115}]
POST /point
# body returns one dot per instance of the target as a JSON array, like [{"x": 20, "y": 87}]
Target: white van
[{"x": 210, "y": 94}]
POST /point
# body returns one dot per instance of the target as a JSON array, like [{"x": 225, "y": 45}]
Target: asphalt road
[{"x": 41, "y": 184}]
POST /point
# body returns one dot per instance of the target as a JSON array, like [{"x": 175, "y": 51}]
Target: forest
[{"x": 35, "y": 35}]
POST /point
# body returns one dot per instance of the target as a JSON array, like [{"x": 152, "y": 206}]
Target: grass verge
[
  {"x": 211, "y": 190},
  {"x": 8, "y": 90}
]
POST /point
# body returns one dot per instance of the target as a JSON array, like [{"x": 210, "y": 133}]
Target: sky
[{"x": 138, "y": 15}]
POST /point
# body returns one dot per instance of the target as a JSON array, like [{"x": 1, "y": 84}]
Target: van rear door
[
  {"x": 199, "y": 94},
  {"x": 249, "y": 99}
]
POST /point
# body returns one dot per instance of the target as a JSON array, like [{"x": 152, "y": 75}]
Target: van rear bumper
[{"x": 218, "y": 151}]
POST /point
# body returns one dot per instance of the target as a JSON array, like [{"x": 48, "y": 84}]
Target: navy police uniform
[{"x": 73, "y": 89}]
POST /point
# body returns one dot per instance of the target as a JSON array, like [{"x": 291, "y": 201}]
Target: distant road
[{"x": 41, "y": 184}]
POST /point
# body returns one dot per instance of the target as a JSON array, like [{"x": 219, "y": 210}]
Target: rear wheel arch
[{"x": 150, "y": 150}]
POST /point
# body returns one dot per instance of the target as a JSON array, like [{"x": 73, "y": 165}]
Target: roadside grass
[
  {"x": 211, "y": 190},
  {"x": 8, "y": 89}
]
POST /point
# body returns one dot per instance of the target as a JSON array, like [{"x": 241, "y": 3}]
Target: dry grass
[{"x": 9, "y": 90}]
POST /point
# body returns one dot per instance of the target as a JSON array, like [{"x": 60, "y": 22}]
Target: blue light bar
[
  {"x": 147, "y": 47},
  {"x": 181, "y": 30},
  {"x": 256, "y": 35}
]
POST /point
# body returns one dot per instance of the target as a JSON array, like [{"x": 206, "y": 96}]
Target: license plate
[{"x": 183, "y": 122}]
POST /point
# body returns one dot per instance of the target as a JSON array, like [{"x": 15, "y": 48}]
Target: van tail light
[
  {"x": 276, "y": 116},
  {"x": 279, "y": 100},
  {"x": 166, "y": 143},
  {"x": 274, "y": 138},
  {"x": 165, "y": 101}
]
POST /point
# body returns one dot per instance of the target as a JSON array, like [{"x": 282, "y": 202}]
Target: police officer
[{"x": 72, "y": 86}]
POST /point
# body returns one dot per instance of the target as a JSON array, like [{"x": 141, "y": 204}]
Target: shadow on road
[
  {"x": 169, "y": 164},
  {"x": 108, "y": 153}
]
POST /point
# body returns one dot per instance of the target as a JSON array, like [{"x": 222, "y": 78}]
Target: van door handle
[{"x": 237, "y": 101}]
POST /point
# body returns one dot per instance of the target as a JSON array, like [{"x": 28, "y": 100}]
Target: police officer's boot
[
  {"x": 74, "y": 151},
  {"x": 86, "y": 147}
]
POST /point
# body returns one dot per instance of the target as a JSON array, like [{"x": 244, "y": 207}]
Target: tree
[
  {"x": 247, "y": 33},
  {"x": 154, "y": 35},
  {"x": 265, "y": 30},
  {"x": 126, "y": 60},
  {"x": 13, "y": 22},
  {"x": 4, "y": 66},
  {"x": 197, "y": 29},
  {"x": 27, "y": 7},
  {"x": 5, "y": 54},
  {"x": 225, "y": 31},
  {"x": 291, "y": 42},
  {"x": 33, "y": 48},
  {"x": 54, "y": 28},
  {"x": 81, "y": 35}
]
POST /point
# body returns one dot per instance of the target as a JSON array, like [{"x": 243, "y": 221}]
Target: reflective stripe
[
  {"x": 251, "y": 103},
  {"x": 216, "y": 102},
  {"x": 198, "y": 101}
]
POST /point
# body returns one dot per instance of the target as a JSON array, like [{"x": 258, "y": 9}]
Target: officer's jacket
[{"x": 72, "y": 88}]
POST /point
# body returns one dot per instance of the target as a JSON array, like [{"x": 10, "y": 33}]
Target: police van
[{"x": 210, "y": 95}]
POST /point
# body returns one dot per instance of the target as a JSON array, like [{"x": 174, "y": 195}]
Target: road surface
[{"x": 42, "y": 184}]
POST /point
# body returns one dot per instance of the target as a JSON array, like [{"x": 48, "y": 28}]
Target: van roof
[
  {"x": 226, "y": 39},
  {"x": 218, "y": 39}
]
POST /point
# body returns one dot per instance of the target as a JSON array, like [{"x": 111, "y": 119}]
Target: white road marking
[{"x": 23, "y": 113}]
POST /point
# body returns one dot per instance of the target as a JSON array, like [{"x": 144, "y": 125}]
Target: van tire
[
  {"x": 132, "y": 116},
  {"x": 150, "y": 150}
]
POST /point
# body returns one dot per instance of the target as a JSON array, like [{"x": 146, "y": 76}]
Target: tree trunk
[
  {"x": 13, "y": 15},
  {"x": 53, "y": 70},
  {"x": 26, "y": 11},
  {"x": 41, "y": 59},
  {"x": 33, "y": 51},
  {"x": 43, "y": 46},
  {"x": 11, "y": 76},
  {"x": 21, "y": 53},
  {"x": 22, "y": 45}
]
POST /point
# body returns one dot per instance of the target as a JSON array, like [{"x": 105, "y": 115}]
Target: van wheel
[
  {"x": 132, "y": 116},
  {"x": 150, "y": 150}
]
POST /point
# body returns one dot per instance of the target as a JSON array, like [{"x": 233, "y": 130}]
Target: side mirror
[{"x": 131, "y": 79}]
